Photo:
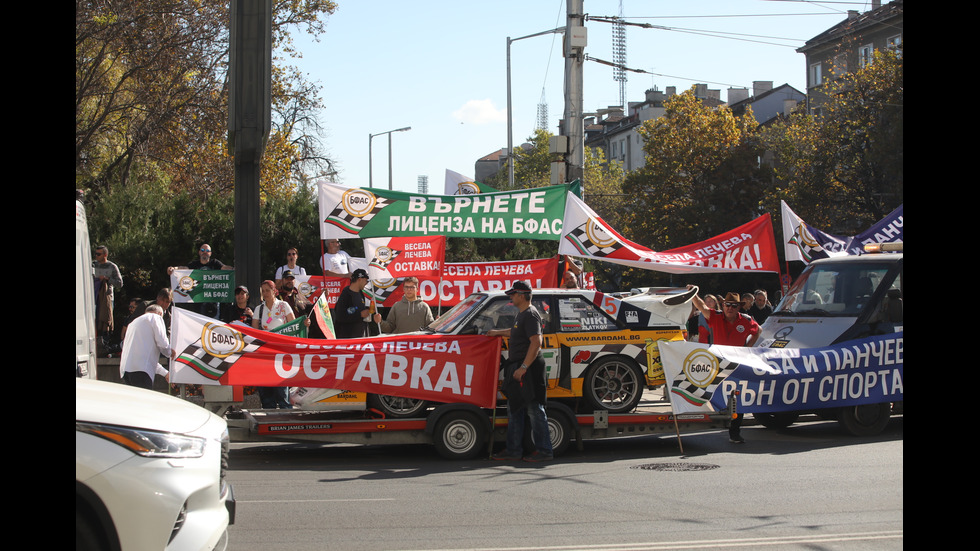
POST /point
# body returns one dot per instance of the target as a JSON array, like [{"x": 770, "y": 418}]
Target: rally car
[{"x": 600, "y": 351}]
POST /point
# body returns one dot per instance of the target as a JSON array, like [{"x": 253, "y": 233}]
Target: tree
[
  {"x": 151, "y": 96},
  {"x": 702, "y": 175},
  {"x": 842, "y": 169}
]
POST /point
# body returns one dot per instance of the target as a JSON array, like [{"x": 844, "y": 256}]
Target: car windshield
[
  {"x": 448, "y": 322},
  {"x": 834, "y": 289}
]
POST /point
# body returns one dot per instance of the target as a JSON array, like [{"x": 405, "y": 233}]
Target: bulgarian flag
[{"x": 321, "y": 311}]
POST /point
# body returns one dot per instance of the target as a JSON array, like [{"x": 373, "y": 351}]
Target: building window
[
  {"x": 816, "y": 74},
  {"x": 865, "y": 55},
  {"x": 894, "y": 43}
]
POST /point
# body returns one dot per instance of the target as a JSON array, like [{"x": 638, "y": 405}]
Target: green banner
[
  {"x": 295, "y": 328},
  {"x": 203, "y": 285},
  {"x": 535, "y": 213}
]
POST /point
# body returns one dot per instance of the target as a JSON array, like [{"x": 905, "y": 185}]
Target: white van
[{"x": 85, "y": 359}]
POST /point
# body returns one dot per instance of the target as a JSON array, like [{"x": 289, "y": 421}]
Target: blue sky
[{"x": 439, "y": 67}]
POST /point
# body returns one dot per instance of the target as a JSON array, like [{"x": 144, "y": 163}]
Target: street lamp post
[
  {"x": 510, "y": 116},
  {"x": 370, "y": 160}
]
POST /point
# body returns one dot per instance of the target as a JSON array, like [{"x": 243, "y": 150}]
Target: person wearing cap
[
  {"x": 524, "y": 347},
  {"x": 289, "y": 294},
  {"x": 239, "y": 310},
  {"x": 730, "y": 327},
  {"x": 352, "y": 313}
]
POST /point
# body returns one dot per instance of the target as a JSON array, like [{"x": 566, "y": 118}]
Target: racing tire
[
  {"x": 865, "y": 420},
  {"x": 776, "y": 420},
  {"x": 397, "y": 408},
  {"x": 614, "y": 384},
  {"x": 460, "y": 435}
]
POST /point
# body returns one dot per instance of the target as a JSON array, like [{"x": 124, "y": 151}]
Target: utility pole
[
  {"x": 249, "y": 122},
  {"x": 573, "y": 128}
]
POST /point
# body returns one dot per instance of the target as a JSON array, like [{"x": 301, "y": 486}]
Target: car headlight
[{"x": 148, "y": 443}]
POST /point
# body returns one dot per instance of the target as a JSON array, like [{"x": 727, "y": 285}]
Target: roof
[{"x": 853, "y": 24}]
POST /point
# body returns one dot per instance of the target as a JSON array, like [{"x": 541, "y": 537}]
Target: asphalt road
[{"x": 806, "y": 487}]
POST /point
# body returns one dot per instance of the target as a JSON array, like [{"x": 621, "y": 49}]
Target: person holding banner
[
  {"x": 730, "y": 327},
  {"x": 351, "y": 313},
  {"x": 272, "y": 313},
  {"x": 410, "y": 313},
  {"x": 146, "y": 340},
  {"x": 203, "y": 262},
  {"x": 524, "y": 346}
]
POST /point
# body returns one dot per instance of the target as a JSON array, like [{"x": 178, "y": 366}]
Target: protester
[
  {"x": 238, "y": 310},
  {"x": 164, "y": 300},
  {"x": 289, "y": 294},
  {"x": 410, "y": 313},
  {"x": 761, "y": 308},
  {"x": 730, "y": 328},
  {"x": 272, "y": 313},
  {"x": 352, "y": 313},
  {"x": 335, "y": 262},
  {"x": 146, "y": 340},
  {"x": 292, "y": 256},
  {"x": 107, "y": 278},
  {"x": 526, "y": 365},
  {"x": 204, "y": 261}
]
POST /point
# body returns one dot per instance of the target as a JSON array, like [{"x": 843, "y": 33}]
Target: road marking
[{"x": 707, "y": 544}]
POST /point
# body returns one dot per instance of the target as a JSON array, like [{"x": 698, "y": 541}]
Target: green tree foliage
[
  {"x": 147, "y": 228},
  {"x": 702, "y": 175},
  {"x": 842, "y": 169}
]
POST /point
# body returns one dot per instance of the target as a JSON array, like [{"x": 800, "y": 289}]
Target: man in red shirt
[{"x": 730, "y": 327}]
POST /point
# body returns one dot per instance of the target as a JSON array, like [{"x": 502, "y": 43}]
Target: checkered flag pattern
[
  {"x": 579, "y": 237},
  {"x": 354, "y": 224},
  {"x": 383, "y": 264},
  {"x": 696, "y": 394},
  {"x": 381, "y": 294},
  {"x": 212, "y": 367}
]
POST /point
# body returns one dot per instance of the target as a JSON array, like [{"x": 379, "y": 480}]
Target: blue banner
[{"x": 771, "y": 380}]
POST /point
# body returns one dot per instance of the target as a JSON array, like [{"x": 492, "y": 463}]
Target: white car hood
[{"x": 120, "y": 404}]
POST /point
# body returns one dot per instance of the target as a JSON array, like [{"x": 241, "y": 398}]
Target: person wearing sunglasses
[{"x": 730, "y": 327}]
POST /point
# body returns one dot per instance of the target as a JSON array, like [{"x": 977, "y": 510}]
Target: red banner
[
  {"x": 441, "y": 368},
  {"x": 401, "y": 257},
  {"x": 459, "y": 280},
  {"x": 751, "y": 246}
]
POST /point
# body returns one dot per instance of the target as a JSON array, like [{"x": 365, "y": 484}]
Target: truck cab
[{"x": 835, "y": 300}]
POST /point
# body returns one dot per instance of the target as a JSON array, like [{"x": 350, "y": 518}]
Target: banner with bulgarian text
[
  {"x": 441, "y": 368},
  {"x": 806, "y": 243},
  {"x": 401, "y": 257},
  {"x": 535, "y": 213},
  {"x": 747, "y": 248},
  {"x": 196, "y": 286},
  {"x": 459, "y": 279},
  {"x": 772, "y": 380}
]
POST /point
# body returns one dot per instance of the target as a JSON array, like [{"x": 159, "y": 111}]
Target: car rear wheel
[{"x": 614, "y": 384}]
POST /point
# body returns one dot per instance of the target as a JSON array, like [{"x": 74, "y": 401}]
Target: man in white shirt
[
  {"x": 146, "y": 340},
  {"x": 335, "y": 262}
]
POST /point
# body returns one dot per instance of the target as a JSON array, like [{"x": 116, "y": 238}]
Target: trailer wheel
[
  {"x": 865, "y": 420},
  {"x": 395, "y": 407},
  {"x": 560, "y": 427},
  {"x": 614, "y": 383},
  {"x": 460, "y": 435},
  {"x": 776, "y": 420}
]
